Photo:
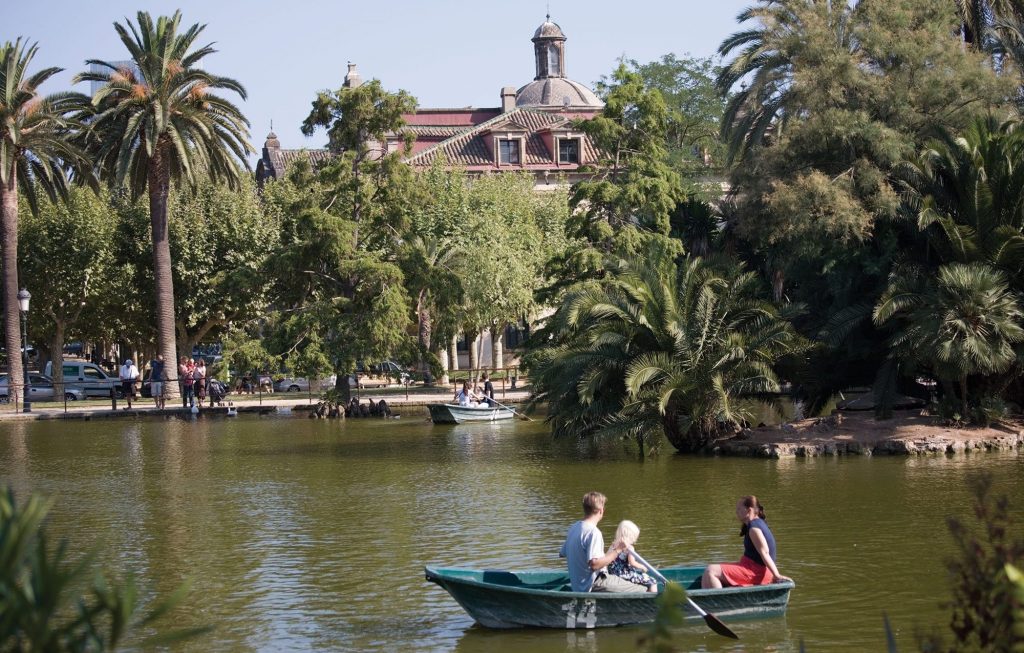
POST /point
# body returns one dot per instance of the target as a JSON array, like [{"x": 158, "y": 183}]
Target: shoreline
[{"x": 908, "y": 432}]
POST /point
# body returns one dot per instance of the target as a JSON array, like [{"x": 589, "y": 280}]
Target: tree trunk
[
  {"x": 498, "y": 346},
  {"x": 472, "y": 339},
  {"x": 453, "y": 353},
  {"x": 778, "y": 284},
  {"x": 12, "y": 312},
  {"x": 57, "y": 359},
  {"x": 965, "y": 409},
  {"x": 425, "y": 329},
  {"x": 159, "y": 189},
  {"x": 342, "y": 388},
  {"x": 442, "y": 355}
]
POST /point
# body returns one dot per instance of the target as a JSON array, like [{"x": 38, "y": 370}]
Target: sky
[{"x": 446, "y": 53}]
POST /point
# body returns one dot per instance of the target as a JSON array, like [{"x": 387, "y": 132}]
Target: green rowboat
[{"x": 542, "y": 599}]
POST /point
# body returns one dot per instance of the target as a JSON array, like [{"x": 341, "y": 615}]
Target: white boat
[{"x": 456, "y": 414}]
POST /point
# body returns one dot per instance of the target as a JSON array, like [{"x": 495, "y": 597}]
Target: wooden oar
[
  {"x": 514, "y": 411},
  {"x": 713, "y": 622}
]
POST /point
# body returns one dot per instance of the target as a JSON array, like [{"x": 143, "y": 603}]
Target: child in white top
[{"x": 625, "y": 565}]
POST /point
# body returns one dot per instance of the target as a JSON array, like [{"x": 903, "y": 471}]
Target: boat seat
[{"x": 508, "y": 579}]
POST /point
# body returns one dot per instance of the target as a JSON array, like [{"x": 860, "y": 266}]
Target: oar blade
[{"x": 715, "y": 624}]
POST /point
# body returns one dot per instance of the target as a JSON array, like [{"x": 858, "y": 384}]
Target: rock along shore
[{"x": 907, "y": 433}]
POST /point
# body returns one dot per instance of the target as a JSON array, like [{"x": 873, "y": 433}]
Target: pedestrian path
[{"x": 249, "y": 404}]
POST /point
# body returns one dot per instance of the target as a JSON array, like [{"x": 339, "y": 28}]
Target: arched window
[{"x": 554, "y": 60}]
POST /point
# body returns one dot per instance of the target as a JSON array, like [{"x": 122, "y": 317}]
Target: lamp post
[{"x": 23, "y": 297}]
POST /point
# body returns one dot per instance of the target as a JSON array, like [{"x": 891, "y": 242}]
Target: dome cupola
[{"x": 549, "y": 50}]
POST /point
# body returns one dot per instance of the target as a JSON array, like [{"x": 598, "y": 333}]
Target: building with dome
[{"x": 532, "y": 129}]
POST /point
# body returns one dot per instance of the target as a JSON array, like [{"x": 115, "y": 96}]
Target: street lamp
[{"x": 23, "y": 297}]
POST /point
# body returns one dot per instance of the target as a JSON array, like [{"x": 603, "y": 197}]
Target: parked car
[
  {"x": 386, "y": 368},
  {"x": 41, "y": 389},
  {"x": 301, "y": 384},
  {"x": 88, "y": 377}
]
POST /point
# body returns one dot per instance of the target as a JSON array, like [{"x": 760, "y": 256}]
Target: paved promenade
[{"x": 265, "y": 404}]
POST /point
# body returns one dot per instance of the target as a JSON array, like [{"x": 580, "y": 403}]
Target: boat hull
[
  {"x": 455, "y": 414},
  {"x": 540, "y": 599}
]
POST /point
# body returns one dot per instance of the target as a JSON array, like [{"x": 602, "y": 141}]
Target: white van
[{"x": 93, "y": 381}]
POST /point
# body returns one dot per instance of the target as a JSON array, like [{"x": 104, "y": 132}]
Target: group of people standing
[
  {"x": 593, "y": 569},
  {"x": 192, "y": 379}
]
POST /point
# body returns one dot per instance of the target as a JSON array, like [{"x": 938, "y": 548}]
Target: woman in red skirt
[{"x": 757, "y": 566}]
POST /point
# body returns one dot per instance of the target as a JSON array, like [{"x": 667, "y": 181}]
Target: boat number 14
[{"x": 580, "y": 613}]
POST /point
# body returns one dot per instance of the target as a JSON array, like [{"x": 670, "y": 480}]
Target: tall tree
[
  {"x": 35, "y": 147},
  {"x": 73, "y": 250},
  {"x": 766, "y": 62},
  {"x": 157, "y": 122}
]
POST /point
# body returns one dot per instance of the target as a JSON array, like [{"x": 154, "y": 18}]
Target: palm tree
[
  {"x": 156, "y": 122},
  {"x": 35, "y": 147},
  {"x": 763, "y": 66},
  {"x": 982, "y": 20},
  {"x": 966, "y": 195},
  {"x": 965, "y": 321},
  {"x": 661, "y": 349}
]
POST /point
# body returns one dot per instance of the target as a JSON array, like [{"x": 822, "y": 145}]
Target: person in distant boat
[
  {"x": 466, "y": 396},
  {"x": 624, "y": 565},
  {"x": 757, "y": 566},
  {"x": 488, "y": 389},
  {"x": 584, "y": 553}
]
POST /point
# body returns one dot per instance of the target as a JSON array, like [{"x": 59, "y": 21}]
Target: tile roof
[{"x": 469, "y": 149}]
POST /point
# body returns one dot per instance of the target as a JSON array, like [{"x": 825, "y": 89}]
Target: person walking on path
[
  {"x": 584, "y": 553},
  {"x": 157, "y": 376},
  {"x": 129, "y": 375}
]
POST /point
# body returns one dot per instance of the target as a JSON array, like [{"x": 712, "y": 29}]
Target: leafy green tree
[
  {"x": 964, "y": 322},
  {"x": 40, "y": 608},
  {"x": 35, "y": 148},
  {"x": 160, "y": 123},
  {"x": 430, "y": 251},
  {"x": 72, "y": 249},
  {"x": 660, "y": 348},
  {"x": 220, "y": 241},
  {"x": 694, "y": 105},
  {"x": 964, "y": 196},
  {"x": 818, "y": 206},
  {"x": 767, "y": 64}
]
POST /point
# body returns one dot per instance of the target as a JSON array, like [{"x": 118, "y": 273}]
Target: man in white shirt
[
  {"x": 584, "y": 553},
  {"x": 129, "y": 375}
]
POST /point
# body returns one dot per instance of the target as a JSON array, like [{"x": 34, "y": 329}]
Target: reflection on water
[{"x": 312, "y": 535}]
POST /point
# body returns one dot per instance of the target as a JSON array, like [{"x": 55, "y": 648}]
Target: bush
[{"x": 40, "y": 609}]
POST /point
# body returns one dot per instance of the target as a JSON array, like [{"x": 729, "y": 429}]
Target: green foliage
[
  {"x": 963, "y": 322},
  {"x": 338, "y": 285},
  {"x": 35, "y": 131},
  {"x": 634, "y": 189},
  {"x": 163, "y": 120},
  {"x": 986, "y": 603},
  {"x": 220, "y": 241},
  {"x": 40, "y": 609},
  {"x": 694, "y": 108},
  {"x": 660, "y": 347},
  {"x": 830, "y": 100},
  {"x": 71, "y": 259},
  {"x": 658, "y": 638}
]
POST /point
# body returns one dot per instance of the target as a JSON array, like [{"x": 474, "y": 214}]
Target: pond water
[{"x": 312, "y": 535}]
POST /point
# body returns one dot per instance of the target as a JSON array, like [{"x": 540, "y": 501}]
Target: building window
[
  {"x": 568, "y": 150},
  {"x": 509, "y": 151},
  {"x": 554, "y": 61}
]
